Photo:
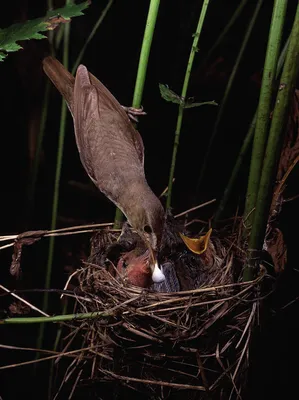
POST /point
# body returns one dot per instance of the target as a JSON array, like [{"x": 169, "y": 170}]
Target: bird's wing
[
  {"x": 131, "y": 133},
  {"x": 105, "y": 137},
  {"x": 64, "y": 82}
]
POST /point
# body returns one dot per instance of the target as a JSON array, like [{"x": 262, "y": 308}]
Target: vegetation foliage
[{"x": 32, "y": 29}]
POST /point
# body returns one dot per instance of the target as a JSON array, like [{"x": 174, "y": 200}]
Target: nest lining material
[{"x": 157, "y": 344}]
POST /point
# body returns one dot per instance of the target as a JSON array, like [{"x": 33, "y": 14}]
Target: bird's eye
[{"x": 147, "y": 229}]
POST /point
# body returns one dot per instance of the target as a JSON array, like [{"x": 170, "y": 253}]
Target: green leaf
[
  {"x": 31, "y": 29},
  {"x": 169, "y": 95}
]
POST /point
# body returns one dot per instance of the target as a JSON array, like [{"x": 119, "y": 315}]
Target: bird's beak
[{"x": 157, "y": 274}]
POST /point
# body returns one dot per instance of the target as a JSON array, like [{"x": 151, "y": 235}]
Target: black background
[{"x": 113, "y": 57}]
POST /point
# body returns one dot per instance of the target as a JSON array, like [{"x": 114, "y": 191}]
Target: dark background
[{"x": 113, "y": 56}]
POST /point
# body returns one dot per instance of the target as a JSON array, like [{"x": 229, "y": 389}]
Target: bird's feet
[{"x": 134, "y": 113}]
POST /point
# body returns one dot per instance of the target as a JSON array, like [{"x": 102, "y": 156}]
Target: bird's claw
[{"x": 133, "y": 113}]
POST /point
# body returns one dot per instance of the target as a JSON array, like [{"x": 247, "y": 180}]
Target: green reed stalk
[
  {"x": 228, "y": 90},
  {"x": 56, "y": 318},
  {"x": 41, "y": 134},
  {"x": 145, "y": 52},
  {"x": 57, "y": 182},
  {"x": 63, "y": 115},
  {"x": 236, "y": 169},
  {"x": 62, "y": 135},
  {"x": 54, "y": 44},
  {"x": 246, "y": 144},
  {"x": 264, "y": 107},
  {"x": 194, "y": 50},
  {"x": 276, "y": 135},
  {"x": 141, "y": 73}
]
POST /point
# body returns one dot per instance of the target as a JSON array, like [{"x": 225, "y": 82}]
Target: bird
[
  {"x": 134, "y": 267},
  {"x": 112, "y": 152}
]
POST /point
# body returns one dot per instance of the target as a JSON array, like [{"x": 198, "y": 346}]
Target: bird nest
[{"x": 140, "y": 342}]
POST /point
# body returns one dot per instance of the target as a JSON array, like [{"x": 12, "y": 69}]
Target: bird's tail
[{"x": 62, "y": 79}]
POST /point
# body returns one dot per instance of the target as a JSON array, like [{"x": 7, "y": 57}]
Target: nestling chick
[{"x": 135, "y": 268}]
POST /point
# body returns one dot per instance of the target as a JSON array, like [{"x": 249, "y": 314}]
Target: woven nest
[{"x": 167, "y": 345}]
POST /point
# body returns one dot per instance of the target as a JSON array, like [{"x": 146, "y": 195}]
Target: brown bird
[{"x": 111, "y": 151}]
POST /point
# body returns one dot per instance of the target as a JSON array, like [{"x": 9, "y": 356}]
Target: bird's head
[
  {"x": 135, "y": 268},
  {"x": 147, "y": 219},
  {"x": 148, "y": 223}
]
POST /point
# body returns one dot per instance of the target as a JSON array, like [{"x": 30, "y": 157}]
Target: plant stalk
[
  {"x": 264, "y": 108},
  {"x": 57, "y": 182},
  {"x": 141, "y": 73},
  {"x": 194, "y": 50},
  {"x": 228, "y": 90},
  {"x": 236, "y": 169},
  {"x": 246, "y": 144},
  {"x": 276, "y": 135}
]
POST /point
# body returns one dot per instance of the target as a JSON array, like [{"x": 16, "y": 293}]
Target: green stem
[
  {"x": 145, "y": 51},
  {"x": 194, "y": 49},
  {"x": 276, "y": 135},
  {"x": 141, "y": 73},
  {"x": 246, "y": 144},
  {"x": 234, "y": 174},
  {"x": 264, "y": 107},
  {"x": 56, "y": 318},
  {"x": 56, "y": 184},
  {"x": 227, "y": 91},
  {"x": 42, "y": 128}
]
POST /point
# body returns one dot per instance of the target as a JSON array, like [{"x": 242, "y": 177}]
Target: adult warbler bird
[{"x": 112, "y": 153}]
